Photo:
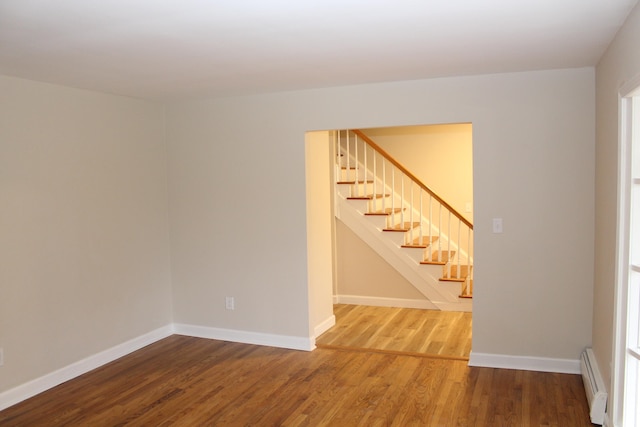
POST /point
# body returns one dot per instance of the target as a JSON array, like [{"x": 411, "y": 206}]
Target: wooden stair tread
[
  {"x": 368, "y": 197},
  {"x": 444, "y": 258},
  {"x": 402, "y": 227},
  {"x": 369, "y": 181},
  {"x": 425, "y": 243},
  {"x": 452, "y": 279},
  {"x": 386, "y": 212}
]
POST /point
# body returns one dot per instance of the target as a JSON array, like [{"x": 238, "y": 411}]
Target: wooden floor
[
  {"x": 185, "y": 381},
  {"x": 408, "y": 330}
]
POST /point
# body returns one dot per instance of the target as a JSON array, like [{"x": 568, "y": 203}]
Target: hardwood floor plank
[
  {"x": 184, "y": 381},
  {"x": 395, "y": 329}
]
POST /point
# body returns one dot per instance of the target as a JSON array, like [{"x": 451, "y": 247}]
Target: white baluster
[
  {"x": 401, "y": 199},
  {"x": 459, "y": 235},
  {"x": 439, "y": 231},
  {"x": 356, "y": 165},
  {"x": 348, "y": 158},
  {"x": 449, "y": 245},
  {"x": 421, "y": 233},
  {"x": 430, "y": 225},
  {"x": 411, "y": 212},
  {"x": 375, "y": 180},
  {"x": 469, "y": 253},
  {"x": 393, "y": 196},
  {"x": 384, "y": 186},
  {"x": 336, "y": 136},
  {"x": 366, "y": 171}
]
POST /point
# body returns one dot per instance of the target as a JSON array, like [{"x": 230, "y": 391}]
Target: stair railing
[{"x": 395, "y": 192}]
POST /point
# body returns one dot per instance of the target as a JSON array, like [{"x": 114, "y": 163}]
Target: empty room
[{"x": 171, "y": 213}]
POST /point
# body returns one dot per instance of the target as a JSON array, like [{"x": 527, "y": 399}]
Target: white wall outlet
[
  {"x": 1, "y": 357},
  {"x": 468, "y": 207},
  {"x": 497, "y": 225},
  {"x": 230, "y": 303}
]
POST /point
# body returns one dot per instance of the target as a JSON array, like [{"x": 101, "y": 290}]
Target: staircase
[{"x": 406, "y": 223}]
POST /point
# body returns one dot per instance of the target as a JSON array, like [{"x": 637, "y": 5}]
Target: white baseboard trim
[
  {"x": 525, "y": 363},
  {"x": 324, "y": 326},
  {"x": 245, "y": 337},
  {"x": 384, "y": 302},
  {"x": 38, "y": 385}
]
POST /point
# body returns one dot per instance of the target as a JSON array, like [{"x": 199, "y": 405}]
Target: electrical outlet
[
  {"x": 1, "y": 357},
  {"x": 230, "y": 303},
  {"x": 497, "y": 225}
]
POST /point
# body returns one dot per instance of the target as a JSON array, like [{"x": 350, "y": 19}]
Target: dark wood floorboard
[
  {"x": 408, "y": 330},
  {"x": 186, "y": 381}
]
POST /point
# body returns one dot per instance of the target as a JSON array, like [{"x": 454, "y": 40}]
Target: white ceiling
[{"x": 176, "y": 49}]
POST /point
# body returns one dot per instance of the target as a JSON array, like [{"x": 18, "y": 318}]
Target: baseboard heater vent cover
[{"x": 593, "y": 386}]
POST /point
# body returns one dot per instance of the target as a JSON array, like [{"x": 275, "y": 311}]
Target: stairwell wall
[
  {"x": 238, "y": 211},
  {"x": 364, "y": 274},
  {"x": 440, "y": 156}
]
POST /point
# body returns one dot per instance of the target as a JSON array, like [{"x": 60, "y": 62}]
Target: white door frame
[{"x": 629, "y": 136}]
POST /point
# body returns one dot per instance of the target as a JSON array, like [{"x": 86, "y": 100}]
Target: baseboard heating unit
[{"x": 593, "y": 386}]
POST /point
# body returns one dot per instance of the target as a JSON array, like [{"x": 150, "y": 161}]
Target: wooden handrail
[{"x": 412, "y": 176}]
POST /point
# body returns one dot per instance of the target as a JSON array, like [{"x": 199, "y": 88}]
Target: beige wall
[
  {"x": 84, "y": 258},
  {"x": 85, "y": 254},
  {"x": 238, "y": 201},
  {"x": 439, "y": 155},
  {"x": 620, "y": 63}
]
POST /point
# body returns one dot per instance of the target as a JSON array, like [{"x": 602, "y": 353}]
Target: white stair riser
[
  {"x": 344, "y": 190},
  {"x": 395, "y": 237},
  {"x": 351, "y": 175},
  {"x": 416, "y": 254},
  {"x": 378, "y": 221},
  {"x": 361, "y": 206}
]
